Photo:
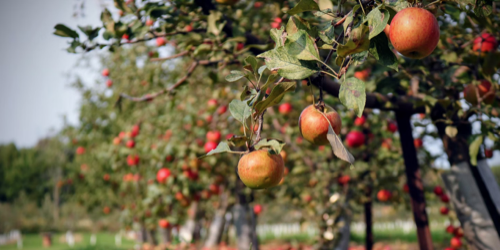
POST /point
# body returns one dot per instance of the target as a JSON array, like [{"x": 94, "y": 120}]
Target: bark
[
  {"x": 242, "y": 214},
  {"x": 56, "y": 194},
  {"x": 165, "y": 235},
  {"x": 369, "y": 224},
  {"x": 217, "y": 226},
  {"x": 188, "y": 231}
]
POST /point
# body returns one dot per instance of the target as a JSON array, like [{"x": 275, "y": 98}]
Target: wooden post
[
  {"x": 368, "y": 221},
  {"x": 414, "y": 180}
]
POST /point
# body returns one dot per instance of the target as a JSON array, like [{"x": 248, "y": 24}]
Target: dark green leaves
[
  {"x": 273, "y": 144},
  {"x": 352, "y": 95},
  {"x": 377, "y": 20},
  {"x": 91, "y": 33},
  {"x": 276, "y": 96},
  {"x": 288, "y": 66},
  {"x": 302, "y": 46},
  {"x": 240, "y": 110},
  {"x": 379, "y": 48},
  {"x": 338, "y": 148},
  {"x": 63, "y": 31},
  {"x": 358, "y": 42},
  {"x": 303, "y": 6}
]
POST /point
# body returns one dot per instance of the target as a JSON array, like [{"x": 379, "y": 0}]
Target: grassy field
[{"x": 104, "y": 241}]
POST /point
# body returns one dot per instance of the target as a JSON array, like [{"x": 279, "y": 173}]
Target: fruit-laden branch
[{"x": 192, "y": 67}]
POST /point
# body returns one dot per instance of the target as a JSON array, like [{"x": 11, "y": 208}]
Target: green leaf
[
  {"x": 275, "y": 96},
  {"x": 296, "y": 23},
  {"x": 221, "y": 148},
  {"x": 252, "y": 61},
  {"x": 398, "y": 5},
  {"x": 302, "y": 46},
  {"x": 352, "y": 95},
  {"x": 274, "y": 144},
  {"x": 377, "y": 20},
  {"x": 358, "y": 42},
  {"x": 327, "y": 33},
  {"x": 288, "y": 66},
  {"x": 474, "y": 149},
  {"x": 277, "y": 36},
  {"x": 379, "y": 48},
  {"x": 238, "y": 141},
  {"x": 107, "y": 21},
  {"x": 240, "y": 111},
  {"x": 235, "y": 76},
  {"x": 303, "y": 6},
  {"x": 262, "y": 69},
  {"x": 63, "y": 31},
  {"x": 158, "y": 12},
  {"x": 338, "y": 148},
  {"x": 212, "y": 23}
]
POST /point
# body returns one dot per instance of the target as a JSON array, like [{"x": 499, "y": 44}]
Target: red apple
[
  {"x": 162, "y": 175},
  {"x": 213, "y": 136},
  {"x": 257, "y": 209},
  {"x": 344, "y": 179},
  {"x": 189, "y": 28},
  {"x": 450, "y": 229},
  {"x": 130, "y": 144},
  {"x": 285, "y": 108},
  {"x": 458, "y": 232},
  {"x": 387, "y": 143},
  {"x": 209, "y": 146},
  {"x": 445, "y": 198},
  {"x": 105, "y": 72},
  {"x": 275, "y": 25},
  {"x": 444, "y": 210},
  {"x": 214, "y": 189},
  {"x": 149, "y": 22},
  {"x": 125, "y": 36},
  {"x": 307, "y": 198},
  {"x": 418, "y": 143},
  {"x": 106, "y": 210},
  {"x": 160, "y": 41},
  {"x": 278, "y": 20},
  {"x": 355, "y": 139},
  {"x": 406, "y": 189},
  {"x": 106, "y": 177},
  {"x": 383, "y": 195},
  {"x": 455, "y": 243},
  {"x": 392, "y": 127},
  {"x": 359, "y": 121},
  {"x": 239, "y": 46},
  {"x": 163, "y": 223},
  {"x": 260, "y": 169},
  {"x": 212, "y": 103},
  {"x": 313, "y": 124},
  {"x": 132, "y": 160},
  {"x": 258, "y": 4},
  {"x": 363, "y": 75},
  {"x": 414, "y": 32},
  {"x": 109, "y": 83},
  {"x": 484, "y": 43},
  {"x": 80, "y": 150},
  {"x": 488, "y": 153},
  {"x": 135, "y": 131},
  {"x": 222, "y": 109},
  {"x": 438, "y": 191}
]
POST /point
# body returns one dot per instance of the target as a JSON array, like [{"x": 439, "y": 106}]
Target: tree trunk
[
  {"x": 414, "y": 181},
  {"x": 165, "y": 235},
  {"x": 151, "y": 237},
  {"x": 369, "y": 225},
  {"x": 187, "y": 232},
  {"x": 56, "y": 194},
  {"x": 345, "y": 232},
  {"x": 245, "y": 229},
  {"x": 218, "y": 222}
]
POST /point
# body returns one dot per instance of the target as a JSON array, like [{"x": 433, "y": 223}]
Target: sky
[{"x": 34, "y": 88}]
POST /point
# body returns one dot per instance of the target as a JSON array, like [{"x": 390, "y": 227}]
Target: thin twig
[{"x": 169, "y": 57}]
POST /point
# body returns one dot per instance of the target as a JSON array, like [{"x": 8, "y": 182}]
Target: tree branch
[{"x": 169, "y": 57}]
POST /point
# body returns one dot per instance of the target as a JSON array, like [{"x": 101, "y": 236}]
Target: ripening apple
[
  {"x": 392, "y": 127},
  {"x": 213, "y": 136},
  {"x": 406, "y": 188},
  {"x": 162, "y": 175},
  {"x": 105, "y": 72},
  {"x": 450, "y": 229},
  {"x": 470, "y": 94},
  {"x": 189, "y": 28},
  {"x": 383, "y": 195},
  {"x": 149, "y": 22},
  {"x": 278, "y": 20},
  {"x": 125, "y": 36},
  {"x": 455, "y": 243},
  {"x": 313, "y": 124},
  {"x": 344, "y": 179},
  {"x": 222, "y": 109},
  {"x": 418, "y": 143},
  {"x": 130, "y": 144},
  {"x": 488, "y": 153},
  {"x": 209, "y": 146},
  {"x": 160, "y": 41},
  {"x": 484, "y": 43},
  {"x": 214, "y": 189},
  {"x": 106, "y": 177},
  {"x": 212, "y": 103},
  {"x": 285, "y": 108},
  {"x": 444, "y": 210},
  {"x": 80, "y": 150},
  {"x": 257, "y": 209},
  {"x": 109, "y": 83},
  {"x": 458, "y": 232},
  {"x": 438, "y": 191},
  {"x": 163, "y": 223},
  {"x": 307, "y": 198},
  {"x": 275, "y": 25},
  {"x": 106, "y": 210},
  {"x": 359, "y": 121},
  {"x": 363, "y": 75},
  {"x": 355, "y": 139},
  {"x": 135, "y": 131},
  {"x": 261, "y": 169},
  {"x": 284, "y": 155},
  {"x": 132, "y": 160},
  {"x": 414, "y": 32},
  {"x": 258, "y": 5},
  {"x": 445, "y": 198},
  {"x": 239, "y": 46},
  {"x": 387, "y": 143}
]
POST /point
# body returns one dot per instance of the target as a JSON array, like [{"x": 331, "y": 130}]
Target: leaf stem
[{"x": 325, "y": 72}]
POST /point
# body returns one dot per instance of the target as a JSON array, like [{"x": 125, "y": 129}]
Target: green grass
[{"x": 104, "y": 241}]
